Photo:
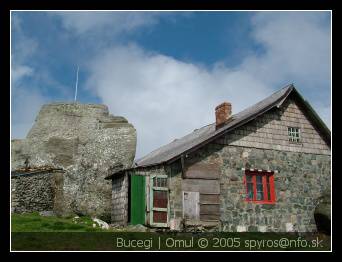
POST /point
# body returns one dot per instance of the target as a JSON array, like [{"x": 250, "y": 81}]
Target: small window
[
  {"x": 160, "y": 182},
  {"x": 294, "y": 134},
  {"x": 260, "y": 187}
]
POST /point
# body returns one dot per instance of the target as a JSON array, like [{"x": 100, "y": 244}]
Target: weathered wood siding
[
  {"x": 120, "y": 199},
  {"x": 203, "y": 177},
  {"x": 269, "y": 131}
]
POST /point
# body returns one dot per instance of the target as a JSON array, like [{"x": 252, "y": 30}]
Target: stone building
[
  {"x": 84, "y": 141},
  {"x": 36, "y": 190},
  {"x": 263, "y": 169}
]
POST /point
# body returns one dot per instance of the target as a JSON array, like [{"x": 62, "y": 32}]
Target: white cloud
[
  {"x": 297, "y": 46},
  {"x": 166, "y": 98},
  {"x": 20, "y": 71},
  {"x": 115, "y": 22}
]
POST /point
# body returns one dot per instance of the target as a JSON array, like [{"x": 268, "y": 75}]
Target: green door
[{"x": 137, "y": 200}]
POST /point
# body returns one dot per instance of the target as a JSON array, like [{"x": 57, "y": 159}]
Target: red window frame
[{"x": 268, "y": 190}]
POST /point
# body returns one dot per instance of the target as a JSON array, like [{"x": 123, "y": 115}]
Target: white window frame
[
  {"x": 167, "y": 210},
  {"x": 292, "y": 134}
]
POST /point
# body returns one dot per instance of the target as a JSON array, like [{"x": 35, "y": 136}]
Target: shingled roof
[{"x": 172, "y": 151}]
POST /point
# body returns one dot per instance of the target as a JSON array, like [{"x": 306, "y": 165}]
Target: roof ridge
[
  {"x": 238, "y": 117},
  {"x": 196, "y": 139}
]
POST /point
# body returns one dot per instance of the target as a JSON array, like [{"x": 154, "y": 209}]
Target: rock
[
  {"x": 137, "y": 228},
  {"x": 322, "y": 213},
  {"x": 101, "y": 223},
  {"x": 289, "y": 227},
  {"x": 240, "y": 228},
  {"x": 47, "y": 213},
  {"x": 175, "y": 224},
  {"x": 88, "y": 144}
]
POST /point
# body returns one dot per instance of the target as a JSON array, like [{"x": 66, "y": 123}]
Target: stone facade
[
  {"x": 300, "y": 181},
  {"x": 85, "y": 141},
  {"x": 36, "y": 192},
  {"x": 302, "y": 172}
]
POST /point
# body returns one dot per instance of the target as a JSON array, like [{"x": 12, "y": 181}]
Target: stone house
[{"x": 262, "y": 169}]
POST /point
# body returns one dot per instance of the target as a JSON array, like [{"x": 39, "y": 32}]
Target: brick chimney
[{"x": 223, "y": 113}]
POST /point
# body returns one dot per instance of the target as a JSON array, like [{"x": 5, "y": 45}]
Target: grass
[{"x": 33, "y": 222}]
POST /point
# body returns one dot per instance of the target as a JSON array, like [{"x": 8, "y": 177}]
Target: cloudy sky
[{"x": 166, "y": 71}]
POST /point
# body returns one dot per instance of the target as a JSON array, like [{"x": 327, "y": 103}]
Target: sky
[{"x": 166, "y": 71}]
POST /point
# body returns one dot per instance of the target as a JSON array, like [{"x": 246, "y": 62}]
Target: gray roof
[{"x": 202, "y": 136}]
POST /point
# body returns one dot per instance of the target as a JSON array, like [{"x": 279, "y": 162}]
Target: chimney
[{"x": 223, "y": 113}]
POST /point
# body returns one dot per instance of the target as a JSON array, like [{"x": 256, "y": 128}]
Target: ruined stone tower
[{"x": 87, "y": 143}]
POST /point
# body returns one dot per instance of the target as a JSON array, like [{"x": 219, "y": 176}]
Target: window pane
[
  {"x": 260, "y": 192},
  {"x": 249, "y": 179},
  {"x": 294, "y": 134},
  {"x": 160, "y": 199},
  {"x": 160, "y": 182},
  {"x": 250, "y": 193},
  {"x": 260, "y": 195},
  {"x": 268, "y": 192},
  {"x": 159, "y": 217},
  {"x": 259, "y": 179}
]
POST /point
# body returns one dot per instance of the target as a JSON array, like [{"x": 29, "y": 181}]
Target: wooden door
[
  {"x": 191, "y": 205},
  {"x": 137, "y": 200}
]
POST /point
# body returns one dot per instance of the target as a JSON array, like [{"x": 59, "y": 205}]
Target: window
[
  {"x": 159, "y": 207},
  {"x": 294, "y": 134},
  {"x": 260, "y": 187}
]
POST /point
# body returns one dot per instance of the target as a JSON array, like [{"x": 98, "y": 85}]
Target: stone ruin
[{"x": 87, "y": 143}]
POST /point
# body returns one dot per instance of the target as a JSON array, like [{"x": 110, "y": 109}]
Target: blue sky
[{"x": 166, "y": 71}]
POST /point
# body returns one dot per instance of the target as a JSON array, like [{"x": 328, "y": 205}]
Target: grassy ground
[{"x": 33, "y": 222}]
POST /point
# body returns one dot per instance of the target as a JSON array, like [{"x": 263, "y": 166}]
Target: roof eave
[{"x": 315, "y": 117}]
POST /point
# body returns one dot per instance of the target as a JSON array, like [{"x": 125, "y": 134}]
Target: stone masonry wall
[
  {"x": 299, "y": 183},
  {"x": 301, "y": 180},
  {"x": 119, "y": 215},
  {"x": 33, "y": 193}
]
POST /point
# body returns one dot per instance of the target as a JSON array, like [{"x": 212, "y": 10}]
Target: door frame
[{"x": 167, "y": 210}]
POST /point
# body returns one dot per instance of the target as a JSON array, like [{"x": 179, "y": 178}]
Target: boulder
[
  {"x": 101, "y": 223},
  {"x": 87, "y": 143}
]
